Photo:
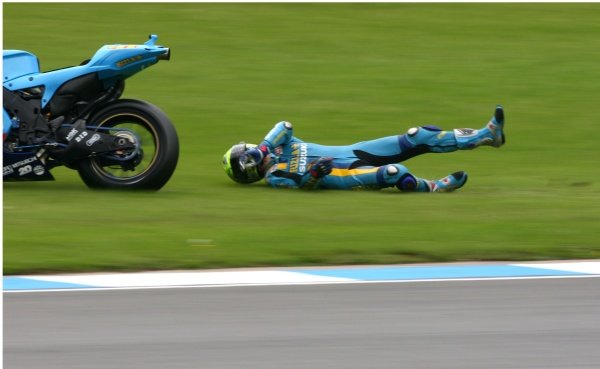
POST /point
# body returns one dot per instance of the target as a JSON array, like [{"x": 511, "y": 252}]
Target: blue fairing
[
  {"x": 17, "y": 63},
  {"x": 111, "y": 63}
]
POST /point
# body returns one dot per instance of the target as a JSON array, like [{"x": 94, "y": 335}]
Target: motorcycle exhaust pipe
[{"x": 165, "y": 56}]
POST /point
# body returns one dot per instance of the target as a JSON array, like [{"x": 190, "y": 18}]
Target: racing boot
[
  {"x": 449, "y": 183},
  {"x": 491, "y": 135}
]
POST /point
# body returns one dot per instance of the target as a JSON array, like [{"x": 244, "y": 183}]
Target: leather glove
[
  {"x": 253, "y": 157},
  {"x": 322, "y": 167}
]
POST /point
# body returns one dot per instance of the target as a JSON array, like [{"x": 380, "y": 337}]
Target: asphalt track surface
[{"x": 539, "y": 323}]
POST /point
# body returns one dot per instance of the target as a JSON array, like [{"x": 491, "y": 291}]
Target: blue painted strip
[
  {"x": 20, "y": 283},
  {"x": 395, "y": 273},
  {"x": 436, "y": 272}
]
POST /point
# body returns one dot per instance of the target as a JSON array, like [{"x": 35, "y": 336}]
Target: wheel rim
[{"x": 138, "y": 130}]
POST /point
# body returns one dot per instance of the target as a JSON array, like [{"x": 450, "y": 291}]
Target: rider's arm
[
  {"x": 307, "y": 181},
  {"x": 281, "y": 134},
  {"x": 282, "y": 179}
]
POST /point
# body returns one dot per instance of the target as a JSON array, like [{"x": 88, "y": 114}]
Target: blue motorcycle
[{"x": 74, "y": 117}]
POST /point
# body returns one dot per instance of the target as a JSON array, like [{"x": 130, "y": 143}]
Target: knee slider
[
  {"x": 412, "y": 132},
  {"x": 407, "y": 183},
  {"x": 387, "y": 175}
]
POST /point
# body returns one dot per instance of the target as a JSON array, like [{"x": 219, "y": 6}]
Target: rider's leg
[
  {"x": 438, "y": 140},
  {"x": 391, "y": 175},
  {"x": 397, "y": 175},
  {"x": 420, "y": 140}
]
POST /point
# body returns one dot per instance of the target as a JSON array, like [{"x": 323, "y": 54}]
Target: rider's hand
[
  {"x": 254, "y": 156},
  {"x": 321, "y": 167}
]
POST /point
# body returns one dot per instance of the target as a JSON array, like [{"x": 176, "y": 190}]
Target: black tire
[{"x": 154, "y": 133}]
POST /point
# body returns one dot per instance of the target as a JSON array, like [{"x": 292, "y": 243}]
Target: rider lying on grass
[{"x": 286, "y": 161}]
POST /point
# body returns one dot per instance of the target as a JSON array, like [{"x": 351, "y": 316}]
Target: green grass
[{"x": 341, "y": 73}]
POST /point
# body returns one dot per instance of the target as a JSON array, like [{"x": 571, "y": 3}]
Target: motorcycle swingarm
[{"x": 83, "y": 143}]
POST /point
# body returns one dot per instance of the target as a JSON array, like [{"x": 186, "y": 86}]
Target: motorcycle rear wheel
[{"x": 157, "y": 148}]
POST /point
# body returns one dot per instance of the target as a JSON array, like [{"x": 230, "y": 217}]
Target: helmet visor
[{"x": 238, "y": 171}]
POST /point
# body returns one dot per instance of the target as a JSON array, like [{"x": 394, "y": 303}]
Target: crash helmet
[{"x": 238, "y": 171}]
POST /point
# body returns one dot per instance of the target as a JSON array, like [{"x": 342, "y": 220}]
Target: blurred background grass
[{"x": 341, "y": 73}]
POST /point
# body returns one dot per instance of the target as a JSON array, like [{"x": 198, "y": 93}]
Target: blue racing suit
[{"x": 364, "y": 165}]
